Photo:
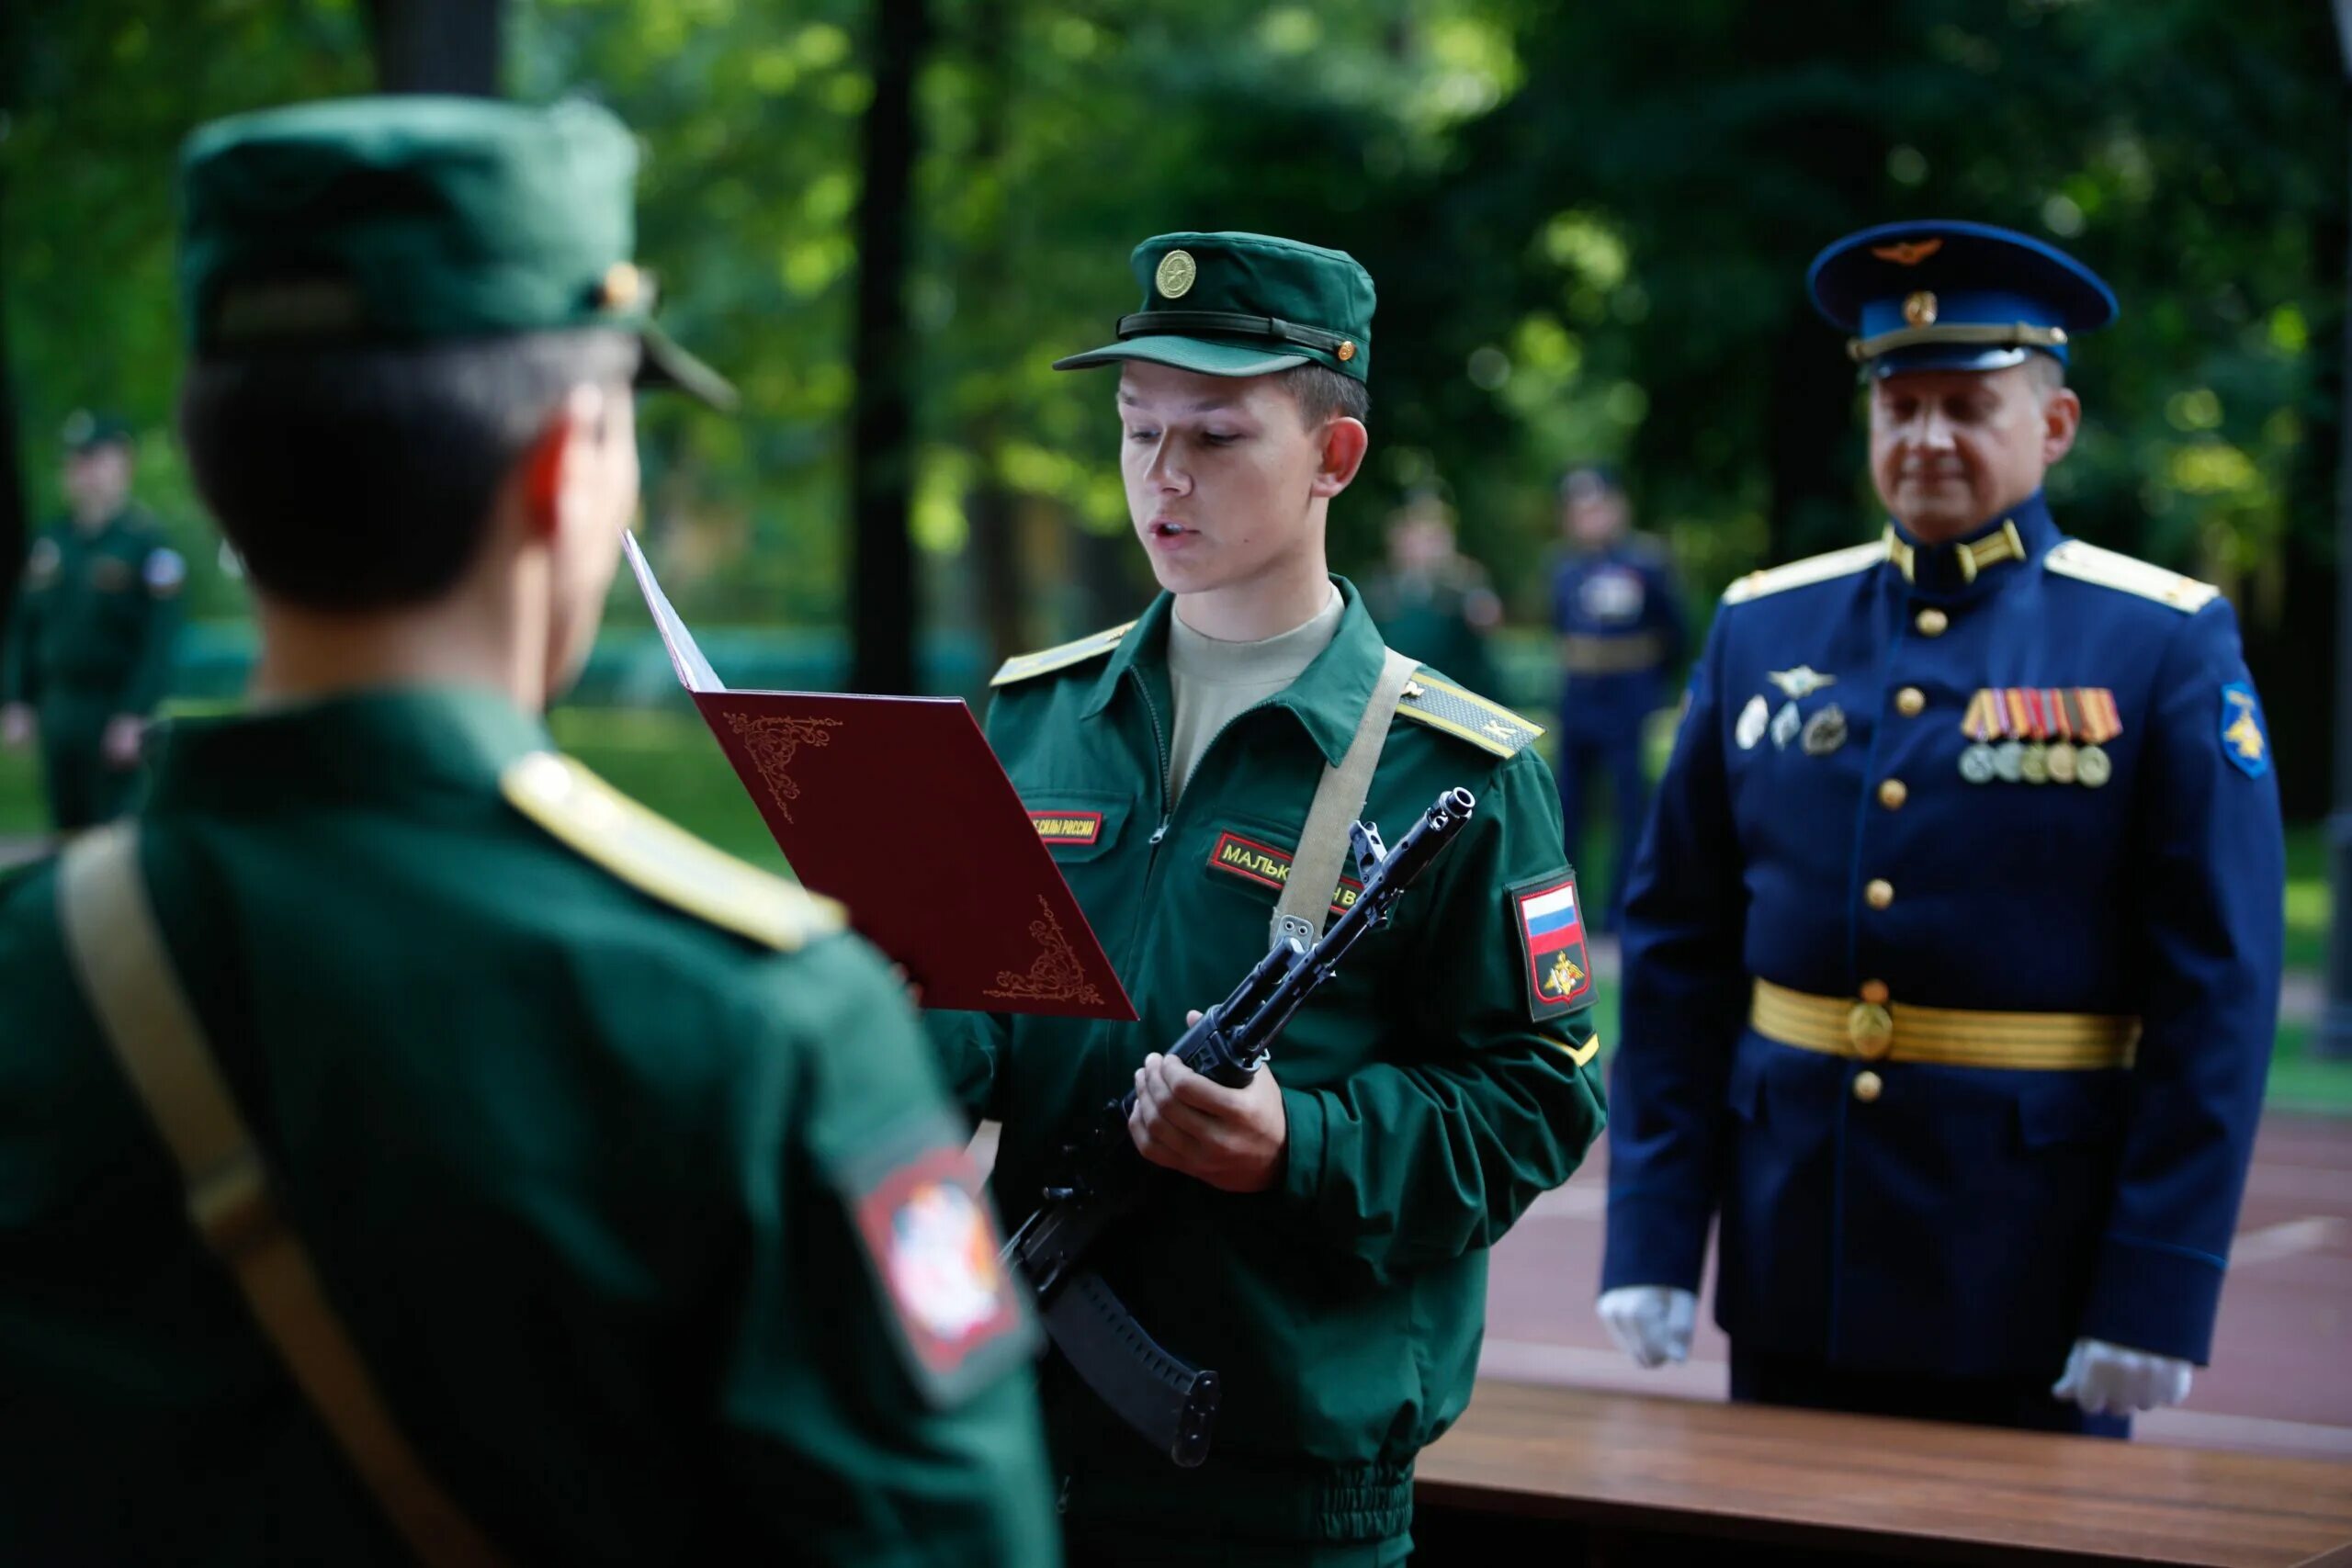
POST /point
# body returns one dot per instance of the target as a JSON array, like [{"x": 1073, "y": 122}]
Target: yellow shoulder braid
[
  {"x": 1807, "y": 572},
  {"x": 1466, "y": 715},
  {"x": 1021, "y": 666},
  {"x": 2088, "y": 563},
  {"x": 661, "y": 859}
]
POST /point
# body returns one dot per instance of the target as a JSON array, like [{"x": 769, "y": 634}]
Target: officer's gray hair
[
  {"x": 363, "y": 479},
  {"x": 2046, "y": 374}
]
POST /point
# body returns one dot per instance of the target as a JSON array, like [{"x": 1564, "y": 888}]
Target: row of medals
[{"x": 2035, "y": 762}]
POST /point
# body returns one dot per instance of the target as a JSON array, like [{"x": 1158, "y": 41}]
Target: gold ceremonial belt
[
  {"x": 1952, "y": 1037},
  {"x": 1584, "y": 655}
]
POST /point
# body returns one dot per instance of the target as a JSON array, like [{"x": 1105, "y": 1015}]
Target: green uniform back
[{"x": 590, "y": 1178}]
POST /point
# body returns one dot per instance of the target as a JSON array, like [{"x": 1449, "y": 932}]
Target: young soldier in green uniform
[
  {"x": 1319, "y": 1237},
  {"x": 624, "y": 1172},
  {"x": 89, "y": 645}
]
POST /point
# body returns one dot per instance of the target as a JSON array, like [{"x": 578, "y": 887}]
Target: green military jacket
[
  {"x": 633, "y": 1180},
  {"x": 95, "y": 615},
  {"x": 1432, "y": 1090}
]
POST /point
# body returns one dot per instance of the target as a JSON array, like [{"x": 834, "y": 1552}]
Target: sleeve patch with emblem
[
  {"x": 933, "y": 1249},
  {"x": 1550, "y": 916},
  {"x": 2244, "y": 739}
]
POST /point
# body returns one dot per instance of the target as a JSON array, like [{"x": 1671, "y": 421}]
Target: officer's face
[
  {"x": 1224, "y": 479},
  {"x": 1951, "y": 449}
]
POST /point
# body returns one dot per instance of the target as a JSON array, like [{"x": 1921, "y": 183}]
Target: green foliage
[{"x": 1588, "y": 225}]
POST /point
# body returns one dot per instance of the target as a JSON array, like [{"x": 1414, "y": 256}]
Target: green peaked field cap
[
  {"x": 376, "y": 221},
  {"x": 1243, "y": 305}
]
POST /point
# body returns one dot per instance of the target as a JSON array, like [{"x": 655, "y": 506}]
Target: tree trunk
[
  {"x": 883, "y": 612},
  {"x": 437, "y": 45},
  {"x": 988, "y": 506}
]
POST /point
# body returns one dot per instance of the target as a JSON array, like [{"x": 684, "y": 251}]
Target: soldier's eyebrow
[{"x": 1216, "y": 402}]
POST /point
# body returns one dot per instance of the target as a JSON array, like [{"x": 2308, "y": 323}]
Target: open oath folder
[{"x": 897, "y": 806}]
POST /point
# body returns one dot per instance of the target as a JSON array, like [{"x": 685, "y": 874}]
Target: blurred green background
[{"x": 1589, "y": 223}]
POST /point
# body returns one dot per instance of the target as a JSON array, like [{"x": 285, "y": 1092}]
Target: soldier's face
[
  {"x": 1224, "y": 479},
  {"x": 97, "y": 480},
  {"x": 1952, "y": 449}
]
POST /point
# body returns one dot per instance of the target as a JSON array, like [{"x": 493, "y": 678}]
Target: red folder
[{"x": 897, "y": 806}]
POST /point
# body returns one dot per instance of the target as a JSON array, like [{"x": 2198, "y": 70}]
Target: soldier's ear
[
  {"x": 2062, "y": 419},
  {"x": 1345, "y": 441},
  {"x": 567, "y": 438}
]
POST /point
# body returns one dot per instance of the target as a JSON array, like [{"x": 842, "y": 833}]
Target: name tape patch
[
  {"x": 1269, "y": 867},
  {"x": 1068, "y": 827}
]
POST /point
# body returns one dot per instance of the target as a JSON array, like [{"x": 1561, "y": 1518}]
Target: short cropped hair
[
  {"x": 1325, "y": 395},
  {"x": 363, "y": 479}
]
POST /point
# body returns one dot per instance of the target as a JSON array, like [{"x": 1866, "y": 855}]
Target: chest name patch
[
  {"x": 1269, "y": 867},
  {"x": 1551, "y": 935},
  {"x": 1068, "y": 827}
]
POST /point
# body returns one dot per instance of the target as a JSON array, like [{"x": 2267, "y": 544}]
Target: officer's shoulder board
[
  {"x": 1807, "y": 572},
  {"x": 1045, "y": 660},
  {"x": 2088, "y": 563},
  {"x": 1466, "y": 716},
  {"x": 661, "y": 859}
]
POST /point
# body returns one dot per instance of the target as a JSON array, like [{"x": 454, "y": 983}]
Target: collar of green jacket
[
  {"x": 1327, "y": 699},
  {"x": 385, "y": 744}
]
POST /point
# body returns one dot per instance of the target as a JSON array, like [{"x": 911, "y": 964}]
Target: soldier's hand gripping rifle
[{"x": 1172, "y": 1404}]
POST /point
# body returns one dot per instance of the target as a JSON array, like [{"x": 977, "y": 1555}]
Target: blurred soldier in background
[
  {"x": 1622, "y": 633},
  {"x": 563, "y": 1190},
  {"x": 1433, "y": 603},
  {"x": 89, "y": 644},
  {"x": 1952, "y": 958}
]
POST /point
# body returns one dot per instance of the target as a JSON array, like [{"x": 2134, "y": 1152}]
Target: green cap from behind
[
  {"x": 1235, "y": 304},
  {"x": 86, "y": 431},
  {"x": 382, "y": 222}
]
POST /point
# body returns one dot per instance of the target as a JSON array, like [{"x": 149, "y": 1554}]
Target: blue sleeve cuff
[
  {"x": 1655, "y": 1238},
  {"x": 2154, "y": 1295}
]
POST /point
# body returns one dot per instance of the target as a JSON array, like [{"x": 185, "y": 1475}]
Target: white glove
[
  {"x": 1651, "y": 1324},
  {"x": 2115, "y": 1380}
]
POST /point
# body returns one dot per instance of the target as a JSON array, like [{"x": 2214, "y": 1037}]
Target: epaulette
[
  {"x": 2088, "y": 563},
  {"x": 1441, "y": 704},
  {"x": 1804, "y": 573},
  {"x": 661, "y": 859},
  {"x": 1021, "y": 666}
]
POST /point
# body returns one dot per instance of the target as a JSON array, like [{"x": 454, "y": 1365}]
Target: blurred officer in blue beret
[
  {"x": 1619, "y": 615},
  {"x": 1953, "y": 949}
]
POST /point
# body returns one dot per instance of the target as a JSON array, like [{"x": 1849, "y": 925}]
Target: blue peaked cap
[{"x": 1945, "y": 295}]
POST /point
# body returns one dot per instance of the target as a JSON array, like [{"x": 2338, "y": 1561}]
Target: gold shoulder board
[
  {"x": 1807, "y": 572},
  {"x": 1466, "y": 715},
  {"x": 661, "y": 859},
  {"x": 2088, "y": 563},
  {"x": 1045, "y": 660}
]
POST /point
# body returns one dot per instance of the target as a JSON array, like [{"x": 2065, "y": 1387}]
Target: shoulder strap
[
  {"x": 1339, "y": 800},
  {"x": 119, "y": 959}
]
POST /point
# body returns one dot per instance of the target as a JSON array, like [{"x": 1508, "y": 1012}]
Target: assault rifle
[{"x": 1172, "y": 1404}]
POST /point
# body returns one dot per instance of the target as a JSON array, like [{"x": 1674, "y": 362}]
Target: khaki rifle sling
[
  {"x": 1322, "y": 856},
  {"x": 119, "y": 960}
]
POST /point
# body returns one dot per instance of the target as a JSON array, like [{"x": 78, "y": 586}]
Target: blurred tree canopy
[{"x": 1588, "y": 225}]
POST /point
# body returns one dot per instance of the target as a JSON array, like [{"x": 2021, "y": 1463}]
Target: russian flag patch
[{"x": 1550, "y": 935}]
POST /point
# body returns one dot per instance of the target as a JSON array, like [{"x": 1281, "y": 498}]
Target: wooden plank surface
[{"x": 1624, "y": 1463}]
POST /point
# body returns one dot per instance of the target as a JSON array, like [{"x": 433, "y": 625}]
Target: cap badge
[
  {"x": 621, "y": 285},
  {"x": 1346, "y": 351},
  {"x": 1919, "y": 309},
  {"x": 1174, "y": 278},
  {"x": 1908, "y": 253}
]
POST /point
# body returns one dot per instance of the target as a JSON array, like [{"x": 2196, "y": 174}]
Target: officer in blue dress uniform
[
  {"x": 1953, "y": 953},
  {"x": 1621, "y": 630}
]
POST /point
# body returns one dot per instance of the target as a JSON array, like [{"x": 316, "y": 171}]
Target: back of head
[{"x": 386, "y": 300}]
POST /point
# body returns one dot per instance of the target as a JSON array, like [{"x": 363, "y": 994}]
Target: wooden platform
[{"x": 1561, "y": 1476}]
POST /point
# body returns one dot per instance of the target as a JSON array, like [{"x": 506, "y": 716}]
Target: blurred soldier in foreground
[
  {"x": 564, "y": 1190},
  {"x": 89, "y": 644},
  {"x": 1622, "y": 631},
  {"x": 1319, "y": 1236},
  {"x": 1433, "y": 603},
  {"x": 1951, "y": 962}
]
